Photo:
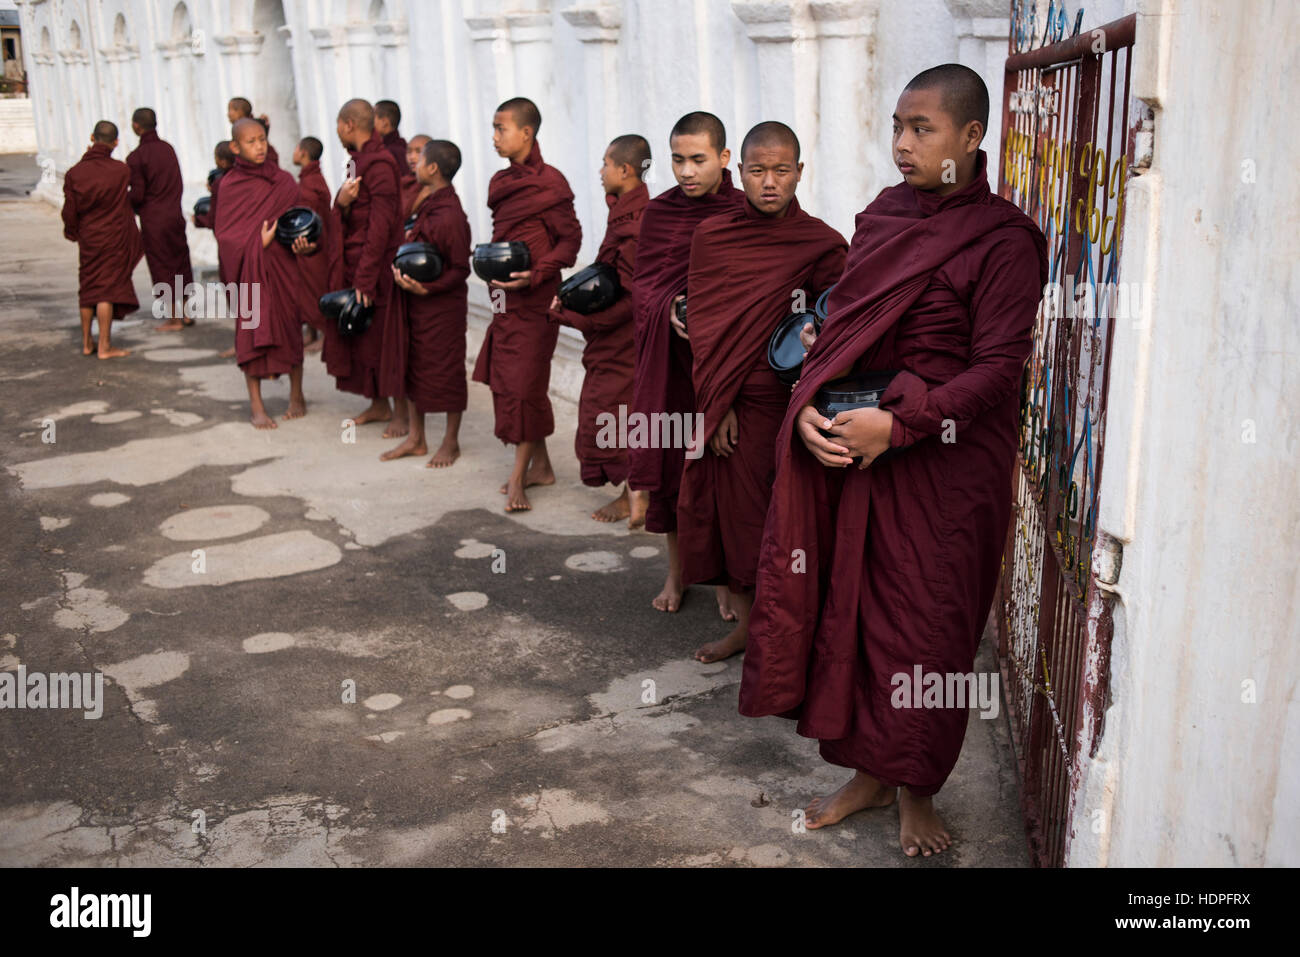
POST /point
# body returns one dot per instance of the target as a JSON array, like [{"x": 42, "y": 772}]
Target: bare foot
[
  {"x": 376, "y": 413},
  {"x": 316, "y": 345},
  {"x": 261, "y": 420},
  {"x": 297, "y": 409},
  {"x": 534, "y": 477},
  {"x": 411, "y": 446},
  {"x": 446, "y": 455},
  {"x": 396, "y": 430},
  {"x": 919, "y": 829},
  {"x": 862, "y": 792},
  {"x": 226, "y": 354},
  {"x": 171, "y": 325},
  {"x": 516, "y": 500},
  {"x": 724, "y": 604},
  {"x": 670, "y": 599},
  {"x": 614, "y": 511},
  {"x": 723, "y": 647},
  {"x": 111, "y": 353},
  {"x": 87, "y": 348},
  {"x": 638, "y": 502}
]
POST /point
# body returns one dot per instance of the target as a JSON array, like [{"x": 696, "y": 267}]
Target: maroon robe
[
  {"x": 268, "y": 343},
  {"x": 745, "y": 269},
  {"x": 531, "y": 202},
  {"x": 608, "y": 357},
  {"x": 436, "y": 323},
  {"x": 97, "y": 217},
  {"x": 898, "y": 563},
  {"x": 410, "y": 187},
  {"x": 395, "y": 143},
  {"x": 322, "y": 271},
  {"x": 662, "y": 381},
  {"x": 373, "y": 363},
  {"x": 156, "y": 187}
]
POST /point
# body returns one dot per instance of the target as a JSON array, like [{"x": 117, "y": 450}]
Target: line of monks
[{"x": 840, "y": 566}]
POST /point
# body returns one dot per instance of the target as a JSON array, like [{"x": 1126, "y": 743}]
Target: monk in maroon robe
[
  {"x": 662, "y": 380},
  {"x": 366, "y": 210},
  {"x": 531, "y": 203},
  {"x": 434, "y": 313},
  {"x": 871, "y": 573},
  {"x": 268, "y": 337},
  {"x": 318, "y": 274},
  {"x": 156, "y": 187},
  {"x": 413, "y": 191},
  {"x": 608, "y": 357},
  {"x": 97, "y": 217},
  {"x": 239, "y": 108},
  {"x": 750, "y": 268},
  {"x": 388, "y": 117},
  {"x": 224, "y": 159}
]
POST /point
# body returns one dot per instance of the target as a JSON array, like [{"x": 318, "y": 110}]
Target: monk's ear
[
  {"x": 974, "y": 135},
  {"x": 724, "y": 158}
]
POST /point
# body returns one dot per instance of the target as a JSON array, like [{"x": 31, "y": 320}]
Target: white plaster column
[{"x": 981, "y": 28}]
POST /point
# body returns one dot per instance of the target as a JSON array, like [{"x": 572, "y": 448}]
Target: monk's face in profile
[
  {"x": 697, "y": 165},
  {"x": 250, "y": 143},
  {"x": 382, "y": 126},
  {"x": 414, "y": 153},
  {"x": 510, "y": 139},
  {"x": 930, "y": 147},
  {"x": 770, "y": 174},
  {"x": 300, "y": 157},
  {"x": 233, "y": 113},
  {"x": 426, "y": 171},
  {"x": 614, "y": 176},
  {"x": 346, "y": 130}
]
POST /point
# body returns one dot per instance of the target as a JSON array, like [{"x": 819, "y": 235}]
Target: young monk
[
  {"x": 388, "y": 117},
  {"x": 531, "y": 202},
  {"x": 239, "y": 108},
  {"x": 662, "y": 380},
  {"x": 413, "y": 191},
  {"x": 97, "y": 217},
  {"x": 435, "y": 312},
  {"x": 750, "y": 268},
  {"x": 156, "y": 187},
  {"x": 898, "y": 565},
  {"x": 367, "y": 213},
  {"x": 223, "y": 159},
  {"x": 317, "y": 274},
  {"x": 268, "y": 342},
  {"x": 608, "y": 355}
]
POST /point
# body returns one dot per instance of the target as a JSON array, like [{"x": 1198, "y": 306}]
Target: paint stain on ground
[
  {"x": 112, "y": 418},
  {"x": 147, "y": 671},
  {"x": 553, "y": 810},
  {"x": 183, "y": 419},
  {"x": 468, "y": 600},
  {"x": 87, "y": 609},
  {"x": 602, "y": 562},
  {"x": 179, "y": 355},
  {"x": 109, "y": 499},
  {"x": 459, "y": 692},
  {"x": 644, "y": 551},
  {"x": 268, "y": 641},
  {"x": 382, "y": 702},
  {"x": 448, "y": 715},
  {"x": 49, "y": 523},
  {"x": 270, "y": 556},
  {"x": 473, "y": 548},
  {"x": 218, "y": 521}
]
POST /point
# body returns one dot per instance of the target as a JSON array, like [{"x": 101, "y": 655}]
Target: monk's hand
[
  {"x": 406, "y": 282},
  {"x": 362, "y": 297},
  {"x": 724, "y": 440},
  {"x": 265, "y": 121},
  {"x": 301, "y": 247},
  {"x": 807, "y": 336},
  {"x": 864, "y": 432},
  {"x": 674, "y": 321},
  {"x": 348, "y": 193},
  {"x": 828, "y": 453},
  {"x": 517, "y": 280},
  {"x": 268, "y": 232}
]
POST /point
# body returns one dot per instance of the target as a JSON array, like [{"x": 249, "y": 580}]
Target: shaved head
[
  {"x": 359, "y": 113},
  {"x": 145, "y": 118},
  {"x": 524, "y": 111},
  {"x": 104, "y": 132},
  {"x": 417, "y": 141},
  {"x": 222, "y": 153},
  {"x": 446, "y": 154},
  {"x": 390, "y": 111},
  {"x": 699, "y": 122},
  {"x": 312, "y": 147},
  {"x": 961, "y": 91},
  {"x": 243, "y": 125},
  {"x": 631, "y": 150},
  {"x": 241, "y": 106},
  {"x": 770, "y": 133}
]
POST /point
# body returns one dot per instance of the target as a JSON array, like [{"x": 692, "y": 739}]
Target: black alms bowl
[
  {"x": 355, "y": 318},
  {"x": 590, "y": 290},
  {"x": 498, "y": 260},
  {"x": 215, "y": 174},
  {"x": 862, "y": 390},
  {"x": 332, "y": 303},
  {"x": 410, "y": 223},
  {"x": 785, "y": 350},
  {"x": 679, "y": 309},
  {"x": 203, "y": 206},
  {"x": 298, "y": 221},
  {"x": 820, "y": 310},
  {"x": 420, "y": 261}
]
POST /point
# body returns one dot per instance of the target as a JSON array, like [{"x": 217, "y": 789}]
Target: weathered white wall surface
[
  {"x": 1200, "y": 480},
  {"x": 832, "y": 69}
]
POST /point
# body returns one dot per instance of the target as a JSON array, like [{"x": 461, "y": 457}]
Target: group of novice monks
[{"x": 840, "y": 571}]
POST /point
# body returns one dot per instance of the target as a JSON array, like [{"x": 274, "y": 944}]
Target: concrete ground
[{"x": 503, "y": 711}]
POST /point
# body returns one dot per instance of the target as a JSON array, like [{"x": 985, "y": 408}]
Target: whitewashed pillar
[{"x": 981, "y": 28}]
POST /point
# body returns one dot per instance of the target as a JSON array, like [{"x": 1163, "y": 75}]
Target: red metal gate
[{"x": 1066, "y": 149}]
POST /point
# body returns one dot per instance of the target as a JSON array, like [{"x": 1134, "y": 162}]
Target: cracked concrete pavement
[{"x": 381, "y": 667}]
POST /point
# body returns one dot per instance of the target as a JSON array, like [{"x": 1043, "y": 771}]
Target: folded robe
[
  {"x": 322, "y": 271},
  {"x": 269, "y": 342},
  {"x": 156, "y": 188},
  {"x": 608, "y": 357},
  {"x": 897, "y": 564},
  {"x": 373, "y": 363},
  {"x": 97, "y": 216},
  {"x": 662, "y": 380},
  {"x": 531, "y": 202},
  {"x": 435, "y": 361},
  {"x": 745, "y": 276}
]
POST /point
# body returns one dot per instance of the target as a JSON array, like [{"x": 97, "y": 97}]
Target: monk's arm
[
  {"x": 616, "y": 315},
  {"x": 382, "y": 183},
  {"x": 70, "y": 220},
  {"x": 827, "y": 270},
  {"x": 562, "y": 223},
  {"x": 455, "y": 264},
  {"x": 1003, "y": 307},
  {"x": 136, "y": 165}
]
